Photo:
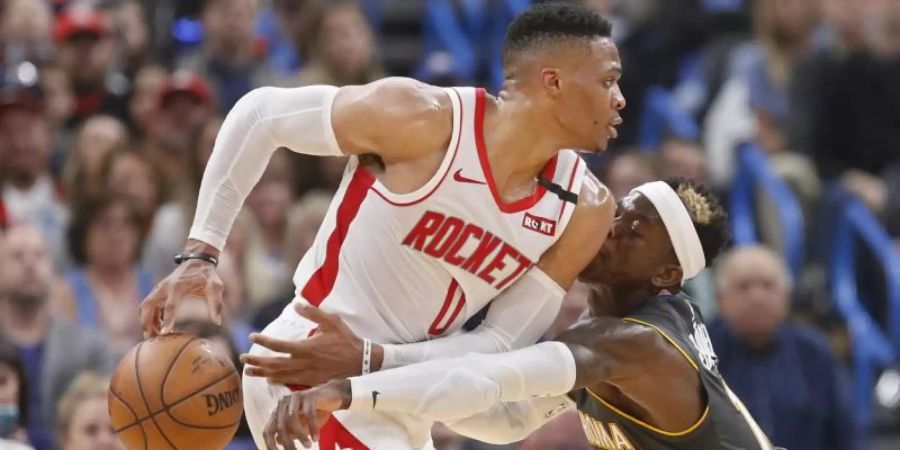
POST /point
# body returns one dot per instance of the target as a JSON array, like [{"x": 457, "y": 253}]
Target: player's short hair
[
  {"x": 709, "y": 217},
  {"x": 551, "y": 22}
]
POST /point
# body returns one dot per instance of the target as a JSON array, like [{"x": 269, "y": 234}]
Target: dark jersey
[{"x": 725, "y": 424}]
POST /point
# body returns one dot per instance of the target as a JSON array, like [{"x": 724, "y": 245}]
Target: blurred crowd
[{"x": 109, "y": 110}]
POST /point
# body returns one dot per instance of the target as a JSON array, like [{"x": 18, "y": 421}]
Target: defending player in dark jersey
[{"x": 640, "y": 369}]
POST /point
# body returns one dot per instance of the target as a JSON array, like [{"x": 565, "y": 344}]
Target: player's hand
[
  {"x": 333, "y": 352},
  {"x": 299, "y": 415},
  {"x": 192, "y": 278}
]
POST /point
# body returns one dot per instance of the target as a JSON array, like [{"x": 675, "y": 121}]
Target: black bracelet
[{"x": 182, "y": 257}]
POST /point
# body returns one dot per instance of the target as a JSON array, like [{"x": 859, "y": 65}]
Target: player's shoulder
[
  {"x": 403, "y": 96},
  {"x": 396, "y": 117},
  {"x": 596, "y": 203}
]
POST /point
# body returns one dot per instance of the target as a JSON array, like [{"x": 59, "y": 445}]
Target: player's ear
[
  {"x": 666, "y": 276},
  {"x": 550, "y": 81}
]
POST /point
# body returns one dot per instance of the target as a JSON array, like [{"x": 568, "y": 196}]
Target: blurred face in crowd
[
  {"x": 26, "y": 269},
  {"x": 134, "y": 177},
  {"x": 345, "y": 42},
  {"x": 787, "y": 22},
  {"x": 229, "y": 25},
  {"x": 626, "y": 172},
  {"x": 9, "y": 385},
  {"x": 270, "y": 200},
  {"x": 148, "y": 83},
  {"x": 846, "y": 18},
  {"x": 90, "y": 428},
  {"x": 86, "y": 58},
  {"x": 58, "y": 97},
  {"x": 682, "y": 159},
  {"x": 27, "y": 24},
  {"x": 26, "y": 144},
  {"x": 113, "y": 236},
  {"x": 754, "y": 291},
  {"x": 131, "y": 25},
  {"x": 99, "y": 136},
  {"x": 180, "y": 118}
]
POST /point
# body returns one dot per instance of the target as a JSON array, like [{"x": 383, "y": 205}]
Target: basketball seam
[
  {"x": 137, "y": 373},
  {"x": 182, "y": 400},
  {"x": 133, "y": 413},
  {"x": 162, "y": 389}
]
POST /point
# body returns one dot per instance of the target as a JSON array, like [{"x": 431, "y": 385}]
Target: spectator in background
[
  {"x": 682, "y": 158},
  {"x": 59, "y": 101},
  {"x": 99, "y": 136},
  {"x": 105, "y": 239},
  {"x": 25, "y": 27},
  {"x": 626, "y": 171},
  {"x": 184, "y": 106},
  {"x": 854, "y": 104},
  {"x": 83, "y": 416},
  {"x": 29, "y": 194},
  {"x": 131, "y": 26},
  {"x": 53, "y": 349},
  {"x": 343, "y": 50},
  {"x": 755, "y": 101},
  {"x": 563, "y": 433},
  {"x": 785, "y": 373},
  {"x": 144, "y": 102},
  {"x": 86, "y": 51},
  {"x": 265, "y": 254},
  {"x": 229, "y": 56},
  {"x": 287, "y": 27},
  {"x": 135, "y": 176},
  {"x": 13, "y": 399}
]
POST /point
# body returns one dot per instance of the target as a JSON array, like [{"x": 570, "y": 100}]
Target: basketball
[{"x": 177, "y": 392}]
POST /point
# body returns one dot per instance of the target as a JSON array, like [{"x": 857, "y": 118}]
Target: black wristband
[{"x": 182, "y": 257}]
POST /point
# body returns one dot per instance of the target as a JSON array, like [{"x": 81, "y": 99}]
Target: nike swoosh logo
[
  {"x": 375, "y": 395},
  {"x": 458, "y": 176}
]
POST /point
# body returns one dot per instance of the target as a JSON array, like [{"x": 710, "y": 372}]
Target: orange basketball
[{"x": 175, "y": 392}]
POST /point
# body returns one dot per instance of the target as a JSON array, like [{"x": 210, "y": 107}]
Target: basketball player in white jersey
[{"x": 452, "y": 199}]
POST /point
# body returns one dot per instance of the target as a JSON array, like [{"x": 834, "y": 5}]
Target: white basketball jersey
[{"x": 403, "y": 268}]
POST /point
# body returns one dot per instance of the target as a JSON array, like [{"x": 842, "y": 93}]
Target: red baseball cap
[
  {"x": 189, "y": 83},
  {"x": 79, "y": 22}
]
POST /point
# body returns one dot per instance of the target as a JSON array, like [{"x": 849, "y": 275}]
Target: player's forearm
[
  {"x": 509, "y": 422},
  {"x": 452, "y": 389},
  {"x": 518, "y": 317},
  {"x": 261, "y": 122}
]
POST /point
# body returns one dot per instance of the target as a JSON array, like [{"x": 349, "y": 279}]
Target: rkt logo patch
[{"x": 539, "y": 224}]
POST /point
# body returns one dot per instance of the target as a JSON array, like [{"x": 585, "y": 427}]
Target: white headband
[{"x": 678, "y": 224}]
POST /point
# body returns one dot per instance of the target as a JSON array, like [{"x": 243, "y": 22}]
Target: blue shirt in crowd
[
  {"x": 796, "y": 389},
  {"x": 38, "y": 432}
]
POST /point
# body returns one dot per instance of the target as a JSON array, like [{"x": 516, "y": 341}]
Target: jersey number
[{"x": 453, "y": 305}]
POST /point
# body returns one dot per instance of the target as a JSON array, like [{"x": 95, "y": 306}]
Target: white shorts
[{"x": 356, "y": 431}]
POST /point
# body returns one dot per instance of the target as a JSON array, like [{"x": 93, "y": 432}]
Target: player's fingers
[
  {"x": 296, "y": 422},
  {"x": 274, "y": 344},
  {"x": 214, "y": 290},
  {"x": 309, "y": 410},
  {"x": 149, "y": 309},
  {"x": 269, "y": 432},
  {"x": 324, "y": 320},
  {"x": 269, "y": 362},
  {"x": 168, "y": 317},
  {"x": 284, "y": 435}
]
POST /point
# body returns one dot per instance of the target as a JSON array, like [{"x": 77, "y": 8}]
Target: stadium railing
[
  {"x": 855, "y": 225},
  {"x": 751, "y": 172}
]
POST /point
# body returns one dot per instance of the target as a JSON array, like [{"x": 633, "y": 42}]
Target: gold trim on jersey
[
  {"x": 671, "y": 341},
  {"x": 647, "y": 425},
  {"x": 761, "y": 438}
]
